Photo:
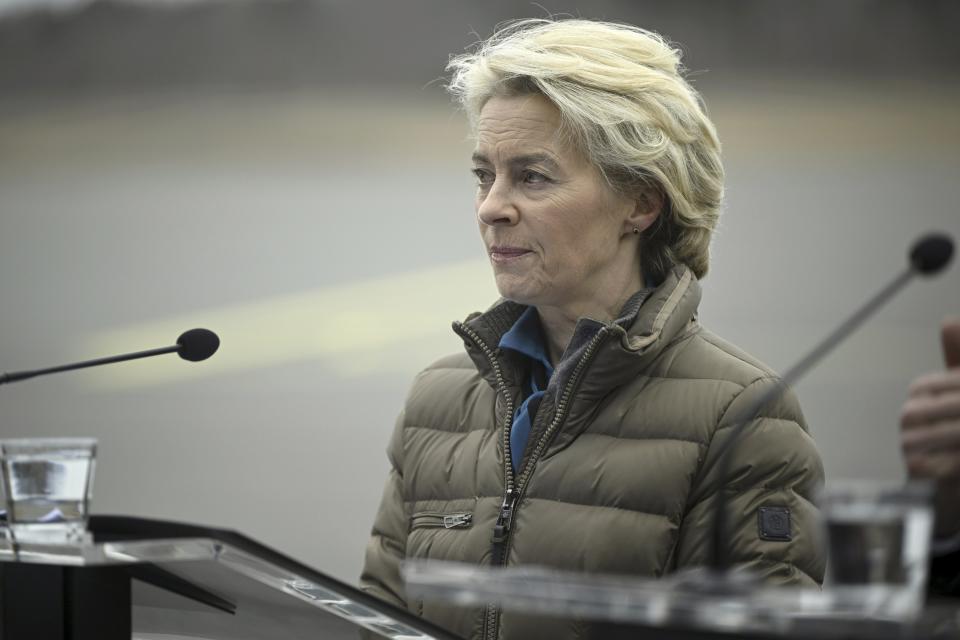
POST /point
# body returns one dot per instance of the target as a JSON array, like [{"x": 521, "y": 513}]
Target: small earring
[{"x": 636, "y": 231}]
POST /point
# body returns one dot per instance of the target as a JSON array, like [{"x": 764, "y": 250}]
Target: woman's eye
[
  {"x": 483, "y": 176},
  {"x": 534, "y": 177}
]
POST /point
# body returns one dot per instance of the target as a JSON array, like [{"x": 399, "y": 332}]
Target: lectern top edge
[{"x": 119, "y": 541}]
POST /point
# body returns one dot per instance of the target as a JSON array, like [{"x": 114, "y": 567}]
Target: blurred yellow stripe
[{"x": 395, "y": 324}]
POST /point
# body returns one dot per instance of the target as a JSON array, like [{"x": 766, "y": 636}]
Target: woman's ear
[{"x": 647, "y": 208}]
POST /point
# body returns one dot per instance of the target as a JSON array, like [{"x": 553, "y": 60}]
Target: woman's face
[{"x": 556, "y": 233}]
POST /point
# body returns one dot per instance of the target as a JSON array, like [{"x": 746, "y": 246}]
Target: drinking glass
[
  {"x": 878, "y": 537},
  {"x": 47, "y": 485}
]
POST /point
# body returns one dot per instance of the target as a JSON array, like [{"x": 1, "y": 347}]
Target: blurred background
[{"x": 291, "y": 175}]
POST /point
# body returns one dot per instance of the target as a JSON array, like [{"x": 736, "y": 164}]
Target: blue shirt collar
[{"x": 526, "y": 337}]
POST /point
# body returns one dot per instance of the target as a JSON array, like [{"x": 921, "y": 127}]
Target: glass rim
[{"x": 46, "y": 444}]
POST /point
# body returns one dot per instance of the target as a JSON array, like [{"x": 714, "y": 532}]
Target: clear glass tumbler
[
  {"x": 47, "y": 484},
  {"x": 878, "y": 536}
]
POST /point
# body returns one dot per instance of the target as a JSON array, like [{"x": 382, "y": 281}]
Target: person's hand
[{"x": 930, "y": 435}]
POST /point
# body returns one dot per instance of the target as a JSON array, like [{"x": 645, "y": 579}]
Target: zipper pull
[
  {"x": 457, "y": 520},
  {"x": 502, "y": 528}
]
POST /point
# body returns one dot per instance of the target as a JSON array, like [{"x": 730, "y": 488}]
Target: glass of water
[
  {"x": 878, "y": 536},
  {"x": 47, "y": 485}
]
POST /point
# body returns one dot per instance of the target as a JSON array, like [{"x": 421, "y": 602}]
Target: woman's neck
[{"x": 559, "y": 322}]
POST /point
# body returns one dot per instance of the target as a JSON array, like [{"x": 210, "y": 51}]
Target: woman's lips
[{"x": 507, "y": 254}]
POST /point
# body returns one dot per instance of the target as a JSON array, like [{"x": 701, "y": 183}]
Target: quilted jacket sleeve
[
  {"x": 386, "y": 548},
  {"x": 774, "y": 464}
]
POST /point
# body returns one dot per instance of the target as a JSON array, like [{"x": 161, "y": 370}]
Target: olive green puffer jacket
[{"x": 619, "y": 474}]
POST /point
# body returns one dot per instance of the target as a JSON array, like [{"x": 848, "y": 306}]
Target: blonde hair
[{"x": 624, "y": 102}]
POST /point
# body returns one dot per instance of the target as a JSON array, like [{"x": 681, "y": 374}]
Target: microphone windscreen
[
  {"x": 197, "y": 344},
  {"x": 931, "y": 253}
]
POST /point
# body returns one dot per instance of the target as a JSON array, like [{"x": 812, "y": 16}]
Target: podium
[
  {"x": 155, "y": 580},
  {"x": 152, "y": 580}
]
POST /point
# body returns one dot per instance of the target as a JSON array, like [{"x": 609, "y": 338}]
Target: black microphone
[
  {"x": 928, "y": 256},
  {"x": 193, "y": 345},
  {"x": 197, "y": 344}
]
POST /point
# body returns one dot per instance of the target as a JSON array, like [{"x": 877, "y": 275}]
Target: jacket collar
[{"x": 629, "y": 345}]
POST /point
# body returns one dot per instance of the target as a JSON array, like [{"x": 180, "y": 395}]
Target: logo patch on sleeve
[{"x": 774, "y": 523}]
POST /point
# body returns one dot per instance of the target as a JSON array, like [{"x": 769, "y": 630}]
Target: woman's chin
[
  {"x": 515, "y": 291},
  {"x": 519, "y": 292}
]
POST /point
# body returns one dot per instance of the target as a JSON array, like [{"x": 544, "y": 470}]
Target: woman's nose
[{"x": 495, "y": 206}]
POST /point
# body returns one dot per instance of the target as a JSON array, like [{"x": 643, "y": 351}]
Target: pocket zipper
[{"x": 441, "y": 520}]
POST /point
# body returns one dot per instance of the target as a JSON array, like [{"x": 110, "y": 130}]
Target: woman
[{"x": 581, "y": 428}]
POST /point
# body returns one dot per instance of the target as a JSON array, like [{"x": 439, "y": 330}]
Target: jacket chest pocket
[{"x": 437, "y": 520}]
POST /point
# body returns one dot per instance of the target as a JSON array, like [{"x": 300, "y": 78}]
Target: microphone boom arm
[{"x": 23, "y": 375}]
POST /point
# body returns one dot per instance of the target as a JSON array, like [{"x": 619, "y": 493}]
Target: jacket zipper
[
  {"x": 428, "y": 520},
  {"x": 505, "y": 517},
  {"x": 514, "y": 491}
]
